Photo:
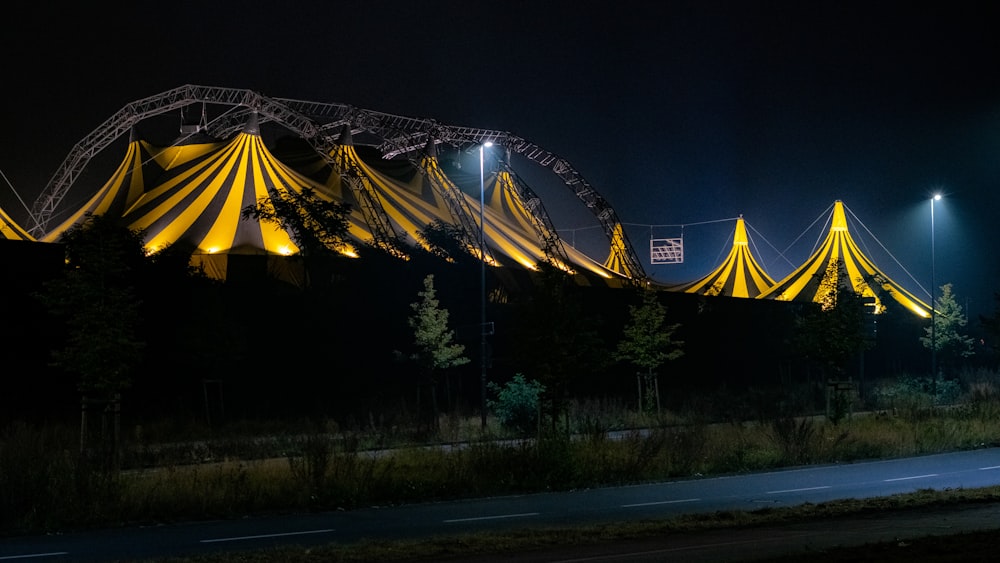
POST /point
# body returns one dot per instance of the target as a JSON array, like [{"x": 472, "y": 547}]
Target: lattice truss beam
[{"x": 321, "y": 125}]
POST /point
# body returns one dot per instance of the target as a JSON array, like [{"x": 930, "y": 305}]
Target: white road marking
[
  {"x": 797, "y": 490},
  {"x": 660, "y": 502},
  {"x": 497, "y": 517},
  {"x": 241, "y": 538},
  {"x": 913, "y": 477},
  {"x": 32, "y": 555}
]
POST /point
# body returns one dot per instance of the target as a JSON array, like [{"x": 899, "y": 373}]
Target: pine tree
[
  {"x": 435, "y": 349},
  {"x": 947, "y": 340}
]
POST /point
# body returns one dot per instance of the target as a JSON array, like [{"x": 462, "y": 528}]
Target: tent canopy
[
  {"x": 839, "y": 264},
  {"x": 739, "y": 275}
]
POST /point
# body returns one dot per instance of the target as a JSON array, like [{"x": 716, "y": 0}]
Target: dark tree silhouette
[
  {"x": 558, "y": 339},
  {"x": 96, "y": 298}
]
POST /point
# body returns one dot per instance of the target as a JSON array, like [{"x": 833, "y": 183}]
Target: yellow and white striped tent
[{"x": 839, "y": 263}]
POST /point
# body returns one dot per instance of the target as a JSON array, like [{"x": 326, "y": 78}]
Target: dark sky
[{"x": 678, "y": 113}]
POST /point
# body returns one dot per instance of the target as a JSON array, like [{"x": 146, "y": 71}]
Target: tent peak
[
  {"x": 252, "y": 126},
  {"x": 839, "y": 218},
  {"x": 741, "y": 232},
  {"x": 346, "y": 139}
]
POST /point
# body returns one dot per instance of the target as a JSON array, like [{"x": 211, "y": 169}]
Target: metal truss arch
[
  {"x": 320, "y": 124},
  {"x": 244, "y": 101}
]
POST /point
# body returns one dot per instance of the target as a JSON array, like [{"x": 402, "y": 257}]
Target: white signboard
[{"x": 666, "y": 251}]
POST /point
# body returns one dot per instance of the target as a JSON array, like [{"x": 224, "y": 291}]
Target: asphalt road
[{"x": 812, "y": 484}]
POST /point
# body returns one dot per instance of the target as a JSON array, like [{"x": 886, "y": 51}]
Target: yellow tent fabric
[
  {"x": 739, "y": 275},
  {"x": 415, "y": 200},
  {"x": 199, "y": 203},
  {"x": 516, "y": 234},
  {"x": 409, "y": 207},
  {"x": 192, "y": 194},
  {"x": 614, "y": 261},
  {"x": 118, "y": 193},
  {"x": 839, "y": 263},
  {"x": 10, "y": 230}
]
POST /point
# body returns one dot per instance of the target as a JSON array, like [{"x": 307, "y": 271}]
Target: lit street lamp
[
  {"x": 482, "y": 285},
  {"x": 936, "y": 197}
]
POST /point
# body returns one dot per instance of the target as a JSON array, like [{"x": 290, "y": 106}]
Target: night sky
[{"x": 678, "y": 113}]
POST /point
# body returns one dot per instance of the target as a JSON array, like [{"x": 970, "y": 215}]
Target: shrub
[
  {"x": 914, "y": 396},
  {"x": 516, "y": 405},
  {"x": 794, "y": 436}
]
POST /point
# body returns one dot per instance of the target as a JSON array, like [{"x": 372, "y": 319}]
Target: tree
[
  {"x": 948, "y": 342},
  {"x": 96, "y": 298},
  {"x": 319, "y": 227},
  {"x": 558, "y": 340},
  {"x": 835, "y": 331},
  {"x": 517, "y": 403},
  {"x": 647, "y": 344},
  {"x": 435, "y": 349},
  {"x": 445, "y": 241}
]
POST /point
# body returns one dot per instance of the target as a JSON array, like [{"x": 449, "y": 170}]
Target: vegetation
[
  {"x": 434, "y": 343},
  {"x": 834, "y": 332},
  {"x": 317, "y": 225},
  {"x": 647, "y": 344},
  {"x": 948, "y": 339},
  {"x": 96, "y": 298},
  {"x": 743, "y": 395},
  {"x": 517, "y": 405},
  {"x": 558, "y": 342},
  {"x": 317, "y": 466}
]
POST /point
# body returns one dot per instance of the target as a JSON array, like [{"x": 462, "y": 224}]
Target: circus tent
[
  {"x": 121, "y": 190},
  {"x": 614, "y": 262},
  {"x": 10, "y": 230},
  {"x": 198, "y": 203},
  {"x": 739, "y": 275},
  {"x": 523, "y": 237},
  {"x": 840, "y": 264},
  {"x": 191, "y": 195},
  {"x": 416, "y": 194}
]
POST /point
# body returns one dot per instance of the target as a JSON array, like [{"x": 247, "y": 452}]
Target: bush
[
  {"x": 516, "y": 405},
  {"x": 914, "y": 396}
]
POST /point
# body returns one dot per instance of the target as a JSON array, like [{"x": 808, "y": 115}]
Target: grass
[{"x": 175, "y": 474}]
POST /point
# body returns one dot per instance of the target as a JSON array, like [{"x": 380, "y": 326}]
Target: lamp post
[
  {"x": 936, "y": 197},
  {"x": 482, "y": 284}
]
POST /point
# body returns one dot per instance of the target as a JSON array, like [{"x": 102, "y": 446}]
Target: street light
[
  {"x": 482, "y": 285},
  {"x": 937, "y": 197}
]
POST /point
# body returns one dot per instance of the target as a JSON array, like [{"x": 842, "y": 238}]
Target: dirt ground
[{"x": 952, "y": 534}]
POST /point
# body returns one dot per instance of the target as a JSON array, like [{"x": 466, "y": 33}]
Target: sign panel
[{"x": 666, "y": 251}]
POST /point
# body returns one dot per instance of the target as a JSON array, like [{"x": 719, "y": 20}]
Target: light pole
[
  {"x": 482, "y": 285},
  {"x": 936, "y": 197}
]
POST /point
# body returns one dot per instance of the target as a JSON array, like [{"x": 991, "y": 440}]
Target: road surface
[{"x": 784, "y": 488}]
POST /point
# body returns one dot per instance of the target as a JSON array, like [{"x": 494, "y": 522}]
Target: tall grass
[{"x": 46, "y": 484}]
